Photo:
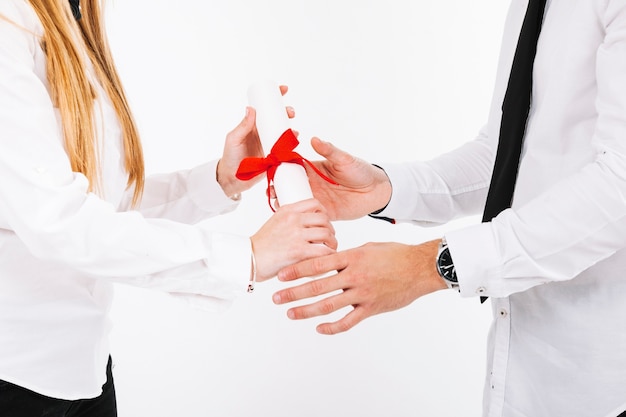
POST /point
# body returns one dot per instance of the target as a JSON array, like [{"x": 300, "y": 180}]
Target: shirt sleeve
[
  {"x": 187, "y": 196},
  {"x": 49, "y": 208},
  {"x": 434, "y": 192},
  {"x": 574, "y": 224}
]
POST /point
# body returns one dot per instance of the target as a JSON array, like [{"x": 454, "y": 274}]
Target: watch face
[{"x": 446, "y": 266}]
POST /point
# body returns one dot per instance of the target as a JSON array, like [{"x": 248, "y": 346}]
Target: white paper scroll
[{"x": 291, "y": 183}]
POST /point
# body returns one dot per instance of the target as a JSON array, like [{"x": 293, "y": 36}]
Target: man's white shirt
[{"x": 554, "y": 266}]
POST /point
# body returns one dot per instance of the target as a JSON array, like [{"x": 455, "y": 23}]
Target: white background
[{"x": 388, "y": 81}]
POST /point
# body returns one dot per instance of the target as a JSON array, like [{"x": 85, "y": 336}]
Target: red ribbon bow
[{"x": 282, "y": 151}]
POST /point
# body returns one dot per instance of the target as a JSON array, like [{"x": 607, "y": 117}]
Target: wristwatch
[{"x": 445, "y": 266}]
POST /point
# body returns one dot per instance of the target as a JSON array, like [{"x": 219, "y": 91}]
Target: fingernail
[
  {"x": 291, "y": 314},
  {"x": 276, "y": 298}
]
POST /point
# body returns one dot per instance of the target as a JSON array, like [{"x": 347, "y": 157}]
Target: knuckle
[
  {"x": 288, "y": 273},
  {"x": 327, "y": 307},
  {"x": 299, "y": 313},
  {"x": 359, "y": 281},
  {"x": 287, "y": 295},
  {"x": 318, "y": 265},
  {"x": 316, "y": 287},
  {"x": 342, "y": 326}
]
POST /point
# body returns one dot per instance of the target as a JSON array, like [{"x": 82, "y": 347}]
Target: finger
[
  {"x": 346, "y": 323},
  {"x": 316, "y": 219},
  {"x": 283, "y": 89},
  {"x": 320, "y": 244},
  {"x": 320, "y": 234},
  {"x": 312, "y": 267},
  {"x": 323, "y": 307},
  {"x": 326, "y": 237},
  {"x": 291, "y": 113},
  {"x": 305, "y": 206},
  {"x": 332, "y": 242},
  {"x": 310, "y": 289},
  {"x": 271, "y": 192}
]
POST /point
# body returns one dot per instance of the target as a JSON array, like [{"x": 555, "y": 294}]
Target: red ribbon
[{"x": 282, "y": 151}]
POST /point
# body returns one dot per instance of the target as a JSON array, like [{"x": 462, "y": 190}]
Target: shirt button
[
  {"x": 481, "y": 290},
  {"x": 503, "y": 313}
]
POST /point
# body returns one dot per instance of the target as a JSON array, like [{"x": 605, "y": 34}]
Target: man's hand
[
  {"x": 373, "y": 279},
  {"x": 362, "y": 188}
]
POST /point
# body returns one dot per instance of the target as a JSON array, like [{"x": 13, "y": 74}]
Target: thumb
[
  {"x": 330, "y": 152},
  {"x": 246, "y": 125}
]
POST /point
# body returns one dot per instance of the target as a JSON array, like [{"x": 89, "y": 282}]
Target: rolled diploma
[{"x": 291, "y": 183}]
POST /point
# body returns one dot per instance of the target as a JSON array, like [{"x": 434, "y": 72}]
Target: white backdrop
[{"x": 388, "y": 81}]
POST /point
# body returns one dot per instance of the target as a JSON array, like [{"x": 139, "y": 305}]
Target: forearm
[
  {"x": 434, "y": 192},
  {"x": 187, "y": 196}
]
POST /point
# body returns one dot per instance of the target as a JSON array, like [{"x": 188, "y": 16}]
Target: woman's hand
[
  {"x": 242, "y": 142},
  {"x": 294, "y": 233}
]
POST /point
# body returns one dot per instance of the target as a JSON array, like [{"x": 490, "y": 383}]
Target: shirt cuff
[
  {"x": 405, "y": 197},
  {"x": 206, "y": 192},
  {"x": 223, "y": 275},
  {"x": 231, "y": 258},
  {"x": 398, "y": 179},
  {"x": 477, "y": 260}
]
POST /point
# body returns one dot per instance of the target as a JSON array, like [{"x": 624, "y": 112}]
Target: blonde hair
[{"x": 65, "y": 43}]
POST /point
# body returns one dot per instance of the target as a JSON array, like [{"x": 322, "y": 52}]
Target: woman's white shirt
[{"x": 62, "y": 247}]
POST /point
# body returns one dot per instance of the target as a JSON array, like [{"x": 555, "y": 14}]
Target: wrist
[
  {"x": 383, "y": 189},
  {"x": 426, "y": 278},
  {"x": 445, "y": 266},
  {"x": 252, "y": 280},
  {"x": 260, "y": 254},
  {"x": 230, "y": 185}
]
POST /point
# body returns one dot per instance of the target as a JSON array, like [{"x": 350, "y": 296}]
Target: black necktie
[
  {"x": 75, "y": 4},
  {"x": 515, "y": 107}
]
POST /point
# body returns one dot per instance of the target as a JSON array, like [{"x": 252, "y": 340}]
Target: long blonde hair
[{"x": 65, "y": 43}]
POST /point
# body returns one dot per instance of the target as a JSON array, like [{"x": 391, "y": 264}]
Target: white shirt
[
  {"x": 61, "y": 247},
  {"x": 554, "y": 265}
]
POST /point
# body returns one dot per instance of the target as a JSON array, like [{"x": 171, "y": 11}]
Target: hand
[
  {"x": 242, "y": 142},
  {"x": 295, "y": 232},
  {"x": 373, "y": 279},
  {"x": 363, "y": 188}
]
